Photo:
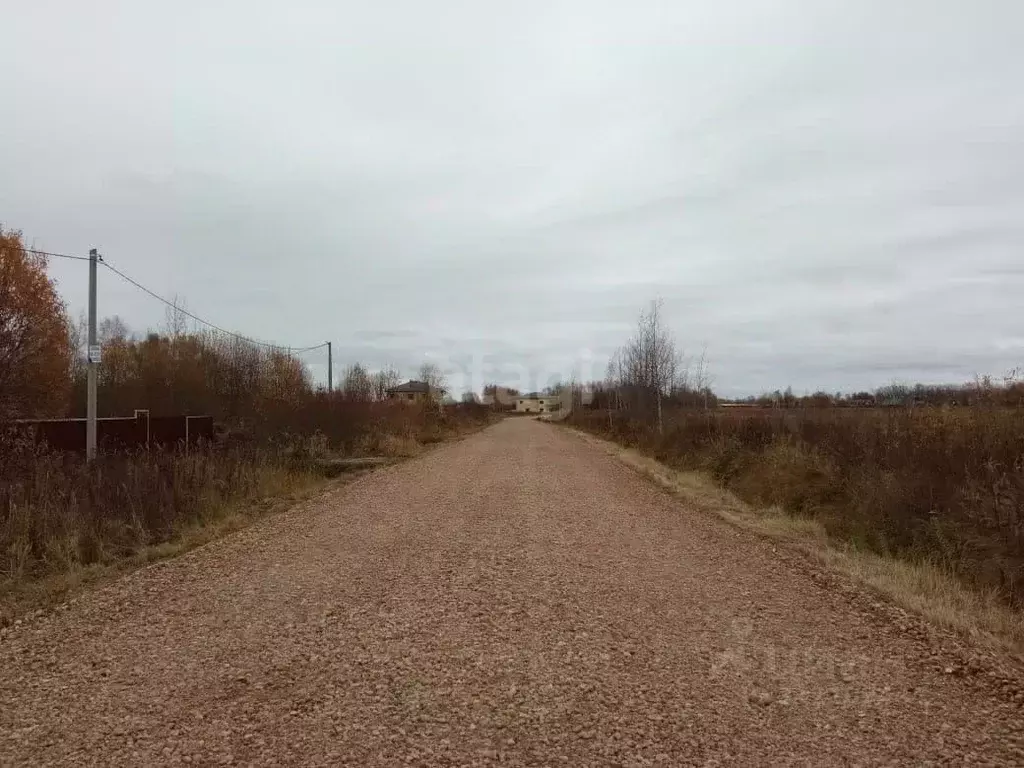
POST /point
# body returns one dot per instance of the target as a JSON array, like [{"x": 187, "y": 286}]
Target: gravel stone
[{"x": 517, "y": 598}]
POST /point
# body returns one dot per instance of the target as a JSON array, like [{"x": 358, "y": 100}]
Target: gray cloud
[{"x": 827, "y": 195}]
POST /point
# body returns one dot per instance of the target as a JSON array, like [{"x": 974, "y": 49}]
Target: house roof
[{"x": 411, "y": 386}]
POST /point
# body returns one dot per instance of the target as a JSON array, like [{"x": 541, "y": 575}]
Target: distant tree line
[{"x": 983, "y": 391}]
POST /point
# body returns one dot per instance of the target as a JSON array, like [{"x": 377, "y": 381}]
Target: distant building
[
  {"x": 500, "y": 398},
  {"x": 415, "y": 392},
  {"x": 535, "y": 403}
]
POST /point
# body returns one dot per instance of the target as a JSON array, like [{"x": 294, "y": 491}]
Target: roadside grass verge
[
  {"x": 944, "y": 486},
  {"x": 918, "y": 583},
  {"x": 66, "y": 524}
]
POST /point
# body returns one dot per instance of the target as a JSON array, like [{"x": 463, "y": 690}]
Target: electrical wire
[
  {"x": 176, "y": 307},
  {"x": 56, "y": 255}
]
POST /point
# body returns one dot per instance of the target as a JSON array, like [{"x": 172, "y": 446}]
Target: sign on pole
[{"x": 95, "y": 353}]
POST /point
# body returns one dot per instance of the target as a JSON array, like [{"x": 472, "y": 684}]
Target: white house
[{"x": 534, "y": 403}]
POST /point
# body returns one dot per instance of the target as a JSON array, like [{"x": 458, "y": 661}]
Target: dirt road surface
[{"x": 517, "y": 598}]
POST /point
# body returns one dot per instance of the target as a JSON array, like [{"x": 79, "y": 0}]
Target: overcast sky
[{"x": 828, "y": 194}]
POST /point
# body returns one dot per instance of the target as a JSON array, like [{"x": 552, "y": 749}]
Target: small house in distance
[
  {"x": 414, "y": 392},
  {"x": 535, "y": 403}
]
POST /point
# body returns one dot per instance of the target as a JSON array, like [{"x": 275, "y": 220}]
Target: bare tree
[
  {"x": 701, "y": 377},
  {"x": 613, "y": 383},
  {"x": 433, "y": 376},
  {"x": 78, "y": 336},
  {"x": 649, "y": 365},
  {"x": 383, "y": 380},
  {"x": 356, "y": 383},
  {"x": 175, "y": 319},
  {"x": 113, "y": 329}
]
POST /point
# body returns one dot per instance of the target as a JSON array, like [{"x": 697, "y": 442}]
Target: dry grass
[
  {"x": 65, "y": 524},
  {"x": 920, "y": 586},
  {"x": 389, "y": 445},
  {"x": 39, "y": 592},
  {"x": 944, "y": 486}
]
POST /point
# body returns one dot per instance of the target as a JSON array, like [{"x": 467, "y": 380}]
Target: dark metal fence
[{"x": 117, "y": 433}]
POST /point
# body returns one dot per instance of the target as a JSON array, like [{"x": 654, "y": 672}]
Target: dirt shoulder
[{"x": 518, "y": 597}]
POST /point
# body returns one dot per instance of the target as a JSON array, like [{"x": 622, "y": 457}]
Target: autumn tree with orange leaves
[{"x": 35, "y": 341}]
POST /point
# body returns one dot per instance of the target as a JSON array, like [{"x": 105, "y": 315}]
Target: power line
[
  {"x": 56, "y": 255},
  {"x": 178, "y": 308}
]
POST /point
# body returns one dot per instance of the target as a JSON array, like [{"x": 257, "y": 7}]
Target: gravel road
[{"x": 517, "y": 598}]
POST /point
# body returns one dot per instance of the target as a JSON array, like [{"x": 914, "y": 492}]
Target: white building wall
[{"x": 536, "y": 404}]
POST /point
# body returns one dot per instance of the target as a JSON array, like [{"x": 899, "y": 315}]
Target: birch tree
[{"x": 650, "y": 365}]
